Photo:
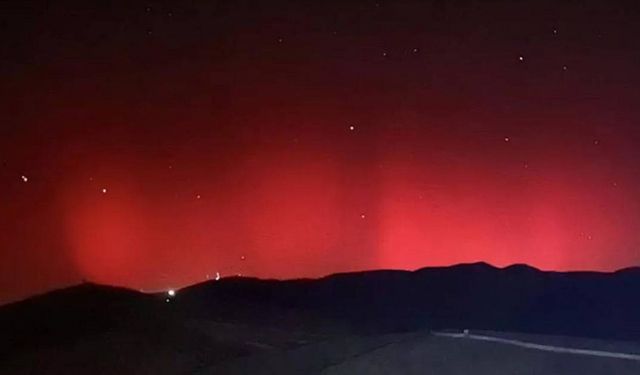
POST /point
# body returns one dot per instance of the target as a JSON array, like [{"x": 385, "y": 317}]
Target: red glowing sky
[{"x": 289, "y": 140}]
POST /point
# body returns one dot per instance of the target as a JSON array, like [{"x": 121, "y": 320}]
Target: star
[
  {"x": 507, "y": 139},
  {"x": 24, "y": 178},
  {"x": 520, "y": 58},
  {"x": 384, "y": 54},
  {"x": 352, "y": 127},
  {"x": 416, "y": 50},
  {"x": 103, "y": 190},
  {"x": 564, "y": 67},
  {"x": 596, "y": 142},
  {"x": 280, "y": 40},
  {"x": 171, "y": 292},
  {"x": 555, "y": 31},
  {"x": 362, "y": 216},
  {"x": 198, "y": 196},
  {"x": 243, "y": 257}
]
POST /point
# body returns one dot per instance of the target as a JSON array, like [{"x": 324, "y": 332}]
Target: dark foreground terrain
[
  {"x": 424, "y": 353},
  {"x": 369, "y": 322}
]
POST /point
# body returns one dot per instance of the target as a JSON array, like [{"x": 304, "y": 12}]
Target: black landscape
[{"x": 103, "y": 329}]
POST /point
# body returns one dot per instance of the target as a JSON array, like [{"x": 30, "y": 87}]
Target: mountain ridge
[
  {"x": 467, "y": 265},
  {"x": 471, "y": 295}
]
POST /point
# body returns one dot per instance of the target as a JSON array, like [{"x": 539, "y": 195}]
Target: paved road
[
  {"x": 446, "y": 355},
  {"x": 547, "y": 348},
  {"x": 442, "y": 354}
]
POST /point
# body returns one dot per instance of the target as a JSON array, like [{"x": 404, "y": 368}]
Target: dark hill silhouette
[
  {"x": 71, "y": 314},
  {"x": 518, "y": 298}
]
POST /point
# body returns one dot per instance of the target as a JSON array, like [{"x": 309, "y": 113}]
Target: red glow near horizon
[
  {"x": 291, "y": 141},
  {"x": 287, "y": 211}
]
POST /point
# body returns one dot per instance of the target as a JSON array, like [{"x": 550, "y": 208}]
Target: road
[
  {"x": 535, "y": 346},
  {"x": 442, "y": 354}
]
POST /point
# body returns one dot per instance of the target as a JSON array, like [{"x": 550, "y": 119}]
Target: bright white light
[
  {"x": 171, "y": 292},
  {"x": 217, "y": 275},
  {"x": 521, "y": 58},
  {"x": 24, "y": 178},
  {"x": 104, "y": 190},
  {"x": 352, "y": 127}
]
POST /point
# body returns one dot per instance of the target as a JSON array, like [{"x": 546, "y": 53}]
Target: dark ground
[{"x": 372, "y": 322}]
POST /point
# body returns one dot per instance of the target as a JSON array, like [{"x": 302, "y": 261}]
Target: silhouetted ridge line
[{"x": 475, "y": 295}]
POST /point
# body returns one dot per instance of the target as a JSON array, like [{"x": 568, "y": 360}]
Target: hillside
[{"x": 105, "y": 329}]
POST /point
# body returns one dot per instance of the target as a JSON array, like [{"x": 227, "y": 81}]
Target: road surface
[{"x": 442, "y": 354}]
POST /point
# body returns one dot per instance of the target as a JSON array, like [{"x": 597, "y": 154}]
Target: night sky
[{"x": 155, "y": 144}]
